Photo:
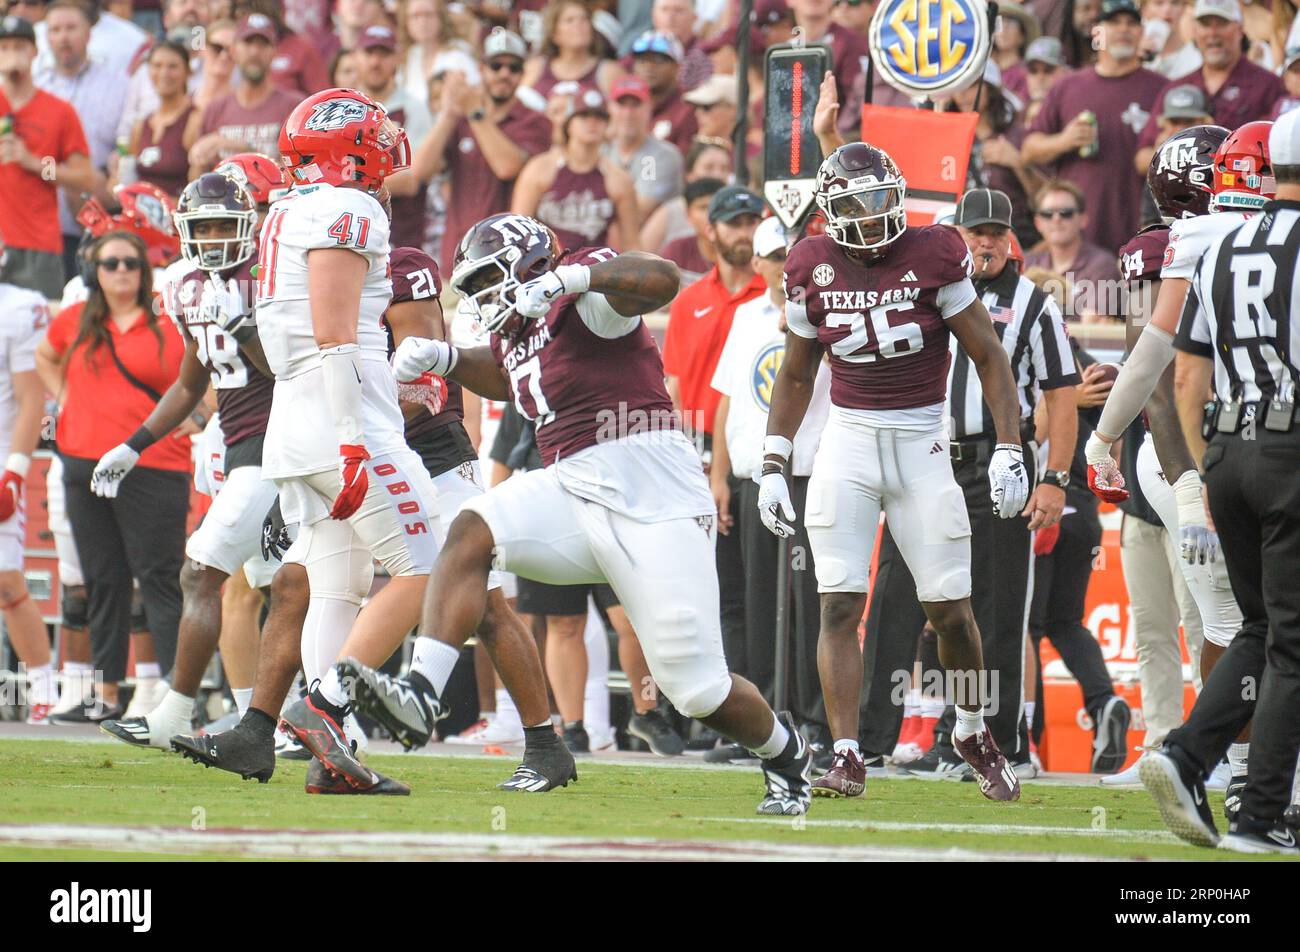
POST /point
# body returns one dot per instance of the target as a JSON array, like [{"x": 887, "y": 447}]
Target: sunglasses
[
  {"x": 1040, "y": 70},
  {"x": 1065, "y": 214},
  {"x": 512, "y": 65},
  {"x": 117, "y": 264}
]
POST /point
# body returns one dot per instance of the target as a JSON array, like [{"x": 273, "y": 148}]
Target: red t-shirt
[
  {"x": 698, "y": 324},
  {"x": 101, "y": 408},
  {"x": 29, "y": 205}
]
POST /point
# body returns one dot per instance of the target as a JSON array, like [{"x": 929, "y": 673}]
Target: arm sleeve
[
  {"x": 1136, "y": 381},
  {"x": 601, "y": 318}
]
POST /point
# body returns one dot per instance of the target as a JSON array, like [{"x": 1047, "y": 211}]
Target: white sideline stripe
[
  {"x": 990, "y": 829},
  {"x": 358, "y": 845}
]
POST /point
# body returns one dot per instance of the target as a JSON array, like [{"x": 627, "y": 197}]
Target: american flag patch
[{"x": 1003, "y": 315}]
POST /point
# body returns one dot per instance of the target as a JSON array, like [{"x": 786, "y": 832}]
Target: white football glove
[
  {"x": 1008, "y": 480},
  {"x": 419, "y": 355},
  {"x": 222, "y": 303},
  {"x": 1200, "y": 543},
  {"x": 535, "y": 298},
  {"x": 774, "y": 494},
  {"x": 111, "y": 469}
]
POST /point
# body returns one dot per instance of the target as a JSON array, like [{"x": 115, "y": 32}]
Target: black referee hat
[{"x": 984, "y": 206}]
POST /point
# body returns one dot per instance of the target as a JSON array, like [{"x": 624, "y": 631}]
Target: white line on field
[{"x": 991, "y": 829}]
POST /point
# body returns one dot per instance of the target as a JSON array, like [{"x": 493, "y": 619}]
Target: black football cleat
[
  {"x": 1249, "y": 835},
  {"x": 404, "y": 709},
  {"x": 320, "y": 780},
  {"x": 1179, "y": 792},
  {"x": 1110, "y": 741},
  {"x": 319, "y": 733},
  {"x": 788, "y": 777},
  {"x": 233, "y": 750},
  {"x": 545, "y": 767},
  {"x": 653, "y": 728},
  {"x": 1232, "y": 797}
]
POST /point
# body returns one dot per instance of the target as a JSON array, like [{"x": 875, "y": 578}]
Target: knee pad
[
  {"x": 138, "y": 620},
  {"x": 73, "y": 606},
  {"x": 338, "y": 565},
  {"x": 1220, "y": 635},
  {"x": 694, "y": 679}
]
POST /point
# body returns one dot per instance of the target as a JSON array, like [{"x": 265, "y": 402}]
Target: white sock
[
  {"x": 595, "y": 701},
  {"x": 172, "y": 708},
  {"x": 78, "y": 679},
  {"x": 434, "y": 660},
  {"x": 507, "y": 713},
  {"x": 323, "y": 633},
  {"x": 1030, "y": 706},
  {"x": 243, "y": 697},
  {"x": 774, "y": 744},
  {"x": 969, "y": 723},
  {"x": 932, "y": 708},
  {"x": 331, "y": 688},
  {"x": 842, "y": 746},
  {"x": 41, "y": 688},
  {"x": 1237, "y": 754},
  {"x": 147, "y": 671}
]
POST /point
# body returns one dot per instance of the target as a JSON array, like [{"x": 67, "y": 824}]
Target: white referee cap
[{"x": 1284, "y": 139}]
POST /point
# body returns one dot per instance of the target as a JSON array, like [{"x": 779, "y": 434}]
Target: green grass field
[{"x": 71, "y": 800}]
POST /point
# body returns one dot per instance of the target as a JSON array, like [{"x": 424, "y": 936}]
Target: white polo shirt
[{"x": 746, "y": 374}]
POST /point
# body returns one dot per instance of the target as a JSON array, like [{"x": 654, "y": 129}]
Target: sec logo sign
[
  {"x": 930, "y": 47},
  {"x": 763, "y": 376}
]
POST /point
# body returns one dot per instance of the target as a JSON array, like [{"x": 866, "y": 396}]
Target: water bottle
[{"x": 126, "y": 173}]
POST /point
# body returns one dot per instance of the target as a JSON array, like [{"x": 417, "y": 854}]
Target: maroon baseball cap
[
  {"x": 377, "y": 36},
  {"x": 257, "y": 24},
  {"x": 633, "y": 86}
]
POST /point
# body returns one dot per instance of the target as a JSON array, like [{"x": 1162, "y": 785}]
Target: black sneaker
[
  {"x": 1232, "y": 797},
  {"x": 320, "y": 780},
  {"x": 653, "y": 728},
  {"x": 402, "y": 705},
  {"x": 236, "y": 750},
  {"x": 1179, "y": 791},
  {"x": 935, "y": 765},
  {"x": 545, "y": 767},
  {"x": 789, "y": 784},
  {"x": 576, "y": 739},
  {"x": 320, "y": 733},
  {"x": 92, "y": 712},
  {"x": 1249, "y": 835},
  {"x": 730, "y": 754},
  {"x": 1110, "y": 736}
]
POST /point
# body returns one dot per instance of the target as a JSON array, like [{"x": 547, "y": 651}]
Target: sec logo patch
[
  {"x": 823, "y": 275},
  {"x": 927, "y": 47},
  {"x": 763, "y": 377}
]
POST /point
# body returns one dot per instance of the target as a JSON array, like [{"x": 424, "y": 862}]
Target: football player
[
  {"x": 23, "y": 318},
  {"x": 621, "y": 499},
  {"x": 212, "y": 307},
  {"x": 883, "y": 300}
]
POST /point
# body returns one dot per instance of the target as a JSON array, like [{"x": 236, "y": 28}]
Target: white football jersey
[
  {"x": 23, "y": 319},
  {"x": 1189, "y": 237},
  {"x": 300, "y": 438}
]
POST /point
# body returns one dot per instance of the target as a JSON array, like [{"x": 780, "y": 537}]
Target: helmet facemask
[
  {"x": 487, "y": 287},
  {"x": 864, "y": 217},
  {"x": 216, "y": 254}
]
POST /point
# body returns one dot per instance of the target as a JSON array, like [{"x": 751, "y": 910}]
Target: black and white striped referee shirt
[
  {"x": 1029, "y": 324},
  {"x": 1243, "y": 309}
]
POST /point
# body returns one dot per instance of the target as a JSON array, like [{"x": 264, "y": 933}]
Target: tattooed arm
[{"x": 636, "y": 282}]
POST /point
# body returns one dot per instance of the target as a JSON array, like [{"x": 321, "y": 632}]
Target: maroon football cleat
[
  {"x": 996, "y": 778},
  {"x": 846, "y": 778}
]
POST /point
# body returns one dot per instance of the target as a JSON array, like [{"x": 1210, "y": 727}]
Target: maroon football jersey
[
  {"x": 879, "y": 320},
  {"x": 243, "y": 391},
  {"x": 581, "y": 388},
  {"x": 1141, "y": 258},
  {"x": 415, "y": 278},
  {"x": 577, "y": 208}
]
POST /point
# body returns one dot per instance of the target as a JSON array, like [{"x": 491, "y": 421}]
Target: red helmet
[
  {"x": 146, "y": 210},
  {"x": 340, "y": 136},
  {"x": 256, "y": 172},
  {"x": 1243, "y": 174}
]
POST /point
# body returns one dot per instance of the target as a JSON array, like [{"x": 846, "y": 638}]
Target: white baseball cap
[
  {"x": 1227, "y": 9},
  {"x": 1284, "y": 139},
  {"x": 769, "y": 236}
]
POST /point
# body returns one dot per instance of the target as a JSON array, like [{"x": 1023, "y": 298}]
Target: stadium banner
[
  {"x": 791, "y": 154},
  {"x": 930, "y": 48},
  {"x": 931, "y": 148}
]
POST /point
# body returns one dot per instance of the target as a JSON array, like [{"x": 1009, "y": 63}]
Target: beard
[
  {"x": 737, "y": 255},
  {"x": 253, "y": 73}
]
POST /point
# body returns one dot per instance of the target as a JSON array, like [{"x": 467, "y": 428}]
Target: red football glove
[
  {"x": 1045, "y": 539},
  {"x": 427, "y": 390},
  {"x": 11, "y": 491},
  {"x": 352, "y": 467},
  {"x": 1107, "y": 486}
]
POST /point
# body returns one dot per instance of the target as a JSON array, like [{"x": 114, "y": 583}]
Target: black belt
[
  {"x": 980, "y": 448},
  {"x": 1231, "y": 416}
]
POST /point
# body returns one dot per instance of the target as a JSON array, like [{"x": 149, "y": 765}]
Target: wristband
[
  {"x": 18, "y": 463},
  {"x": 141, "y": 440},
  {"x": 776, "y": 445},
  {"x": 576, "y": 278}
]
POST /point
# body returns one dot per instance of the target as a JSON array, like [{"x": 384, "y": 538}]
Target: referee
[
  {"x": 1241, "y": 328},
  {"x": 1029, "y": 324}
]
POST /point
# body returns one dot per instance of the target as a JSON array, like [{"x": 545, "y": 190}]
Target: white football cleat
[
  {"x": 1125, "y": 778},
  {"x": 906, "y": 753}
]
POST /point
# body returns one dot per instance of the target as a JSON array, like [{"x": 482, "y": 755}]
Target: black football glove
[{"x": 275, "y": 536}]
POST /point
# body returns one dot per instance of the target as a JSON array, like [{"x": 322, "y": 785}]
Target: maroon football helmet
[
  {"x": 1181, "y": 174},
  {"x": 494, "y": 259},
  {"x": 860, "y": 192},
  {"x": 214, "y": 196}
]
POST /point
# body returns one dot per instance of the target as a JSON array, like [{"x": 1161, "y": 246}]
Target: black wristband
[
  {"x": 141, "y": 440},
  {"x": 244, "y": 333}
]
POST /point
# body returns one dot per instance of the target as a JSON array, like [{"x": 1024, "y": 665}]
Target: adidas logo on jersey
[{"x": 910, "y": 276}]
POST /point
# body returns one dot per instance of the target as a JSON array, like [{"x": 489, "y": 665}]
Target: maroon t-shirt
[
  {"x": 673, "y": 121},
  {"x": 548, "y": 80},
  {"x": 849, "y": 301},
  {"x": 165, "y": 162},
  {"x": 1249, "y": 93},
  {"x": 1122, "y": 106},
  {"x": 243, "y": 392},
  {"x": 257, "y": 128},
  {"x": 409, "y": 211},
  {"x": 578, "y": 208},
  {"x": 475, "y": 191},
  {"x": 415, "y": 278},
  {"x": 1015, "y": 80},
  {"x": 1142, "y": 258},
  {"x": 685, "y": 253},
  {"x": 574, "y": 382},
  {"x": 297, "y": 66}
]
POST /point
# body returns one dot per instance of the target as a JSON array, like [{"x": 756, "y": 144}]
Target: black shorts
[{"x": 542, "y": 598}]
